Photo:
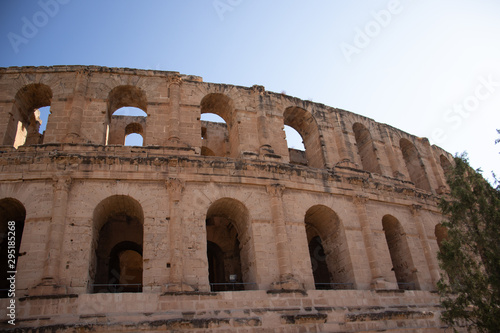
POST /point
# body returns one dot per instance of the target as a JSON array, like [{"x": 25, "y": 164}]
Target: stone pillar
[
  {"x": 73, "y": 134},
  {"x": 391, "y": 155},
  {"x": 263, "y": 105},
  {"x": 343, "y": 144},
  {"x": 435, "y": 179},
  {"x": 51, "y": 273},
  {"x": 430, "y": 256},
  {"x": 174, "y": 86},
  {"x": 378, "y": 281},
  {"x": 286, "y": 279},
  {"x": 175, "y": 188}
]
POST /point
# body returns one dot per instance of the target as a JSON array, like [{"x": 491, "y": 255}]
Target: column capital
[
  {"x": 415, "y": 209},
  {"x": 174, "y": 79},
  {"x": 62, "y": 182},
  {"x": 276, "y": 190},
  {"x": 175, "y": 186},
  {"x": 360, "y": 199}
]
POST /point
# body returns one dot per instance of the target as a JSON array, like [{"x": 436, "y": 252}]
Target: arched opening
[
  {"x": 295, "y": 143},
  {"x": 328, "y": 249},
  {"x": 128, "y": 111},
  {"x": 322, "y": 278},
  {"x": 127, "y": 114},
  {"x": 414, "y": 165},
  {"x": 216, "y": 269},
  {"x": 294, "y": 139},
  {"x": 134, "y": 135},
  {"x": 125, "y": 262},
  {"x": 219, "y": 132},
  {"x": 304, "y": 123},
  {"x": 402, "y": 263},
  {"x": 212, "y": 117},
  {"x": 25, "y": 124},
  {"x": 441, "y": 234},
  {"x": 12, "y": 217},
  {"x": 366, "y": 149},
  {"x": 214, "y": 135},
  {"x": 227, "y": 223},
  {"x": 133, "y": 139},
  {"x": 118, "y": 233},
  {"x": 127, "y": 96},
  {"x": 44, "y": 118}
]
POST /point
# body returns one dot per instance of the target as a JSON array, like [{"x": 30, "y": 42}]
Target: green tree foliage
[{"x": 470, "y": 255}]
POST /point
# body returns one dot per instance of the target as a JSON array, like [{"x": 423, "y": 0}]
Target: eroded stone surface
[{"x": 210, "y": 226}]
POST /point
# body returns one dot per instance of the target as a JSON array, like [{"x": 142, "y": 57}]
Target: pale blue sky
[{"x": 410, "y": 69}]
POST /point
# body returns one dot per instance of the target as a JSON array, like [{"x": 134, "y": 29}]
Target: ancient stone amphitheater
[{"x": 210, "y": 227}]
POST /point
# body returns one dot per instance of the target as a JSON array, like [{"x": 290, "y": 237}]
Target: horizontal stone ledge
[
  {"x": 385, "y": 291},
  {"x": 388, "y": 315},
  {"x": 287, "y": 291},
  {"x": 316, "y": 318},
  {"x": 189, "y": 293},
  {"x": 167, "y": 324},
  {"x": 42, "y": 297}
]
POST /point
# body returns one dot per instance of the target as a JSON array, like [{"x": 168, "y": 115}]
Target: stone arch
[
  {"x": 399, "y": 250},
  {"x": 126, "y": 95},
  {"x": 328, "y": 247},
  {"x": 414, "y": 165},
  {"x": 25, "y": 120},
  {"x": 445, "y": 164},
  {"x": 133, "y": 139},
  {"x": 293, "y": 138},
  {"x": 205, "y": 151},
  {"x": 366, "y": 148},
  {"x": 12, "y": 217},
  {"x": 118, "y": 125},
  {"x": 134, "y": 128},
  {"x": 221, "y": 138},
  {"x": 118, "y": 227},
  {"x": 125, "y": 262},
  {"x": 229, "y": 245},
  {"x": 305, "y": 124}
]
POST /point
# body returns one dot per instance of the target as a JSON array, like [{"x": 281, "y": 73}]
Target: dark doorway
[
  {"x": 216, "y": 273},
  {"x": 319, "y": 265}
]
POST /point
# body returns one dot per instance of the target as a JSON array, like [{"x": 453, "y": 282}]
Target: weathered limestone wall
[
  {"x": 82, "y": 100},
  {"x": 259, "y": 311},
  {"x": 369, "y": 191}
]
